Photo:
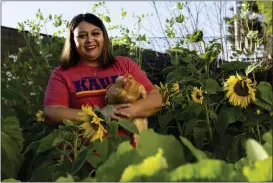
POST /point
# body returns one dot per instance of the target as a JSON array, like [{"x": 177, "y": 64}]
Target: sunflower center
[
  {"x": 198, "y": 96},
  {"x": 241, "y": 88}
]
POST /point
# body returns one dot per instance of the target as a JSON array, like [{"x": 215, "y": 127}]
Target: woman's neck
[{"x": 93, "y": 63}]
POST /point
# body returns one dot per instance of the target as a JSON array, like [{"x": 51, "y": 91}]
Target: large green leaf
[
  {"x": 263, "y": 104},
  {"x": 11, "y": 127},
  {"x": 102, "y": 148},
  {"x": 227, "y": 115},
  {"x": 260, "y": 172},
  {"x": 113, "y": 167},
  {"x": 148, "y": 167},
  {"x": 81, "y": 158},
  {"x": 128, "y": 125},
  {"x": 267, "y": 137},
  {"x": 212, "y": 86},
  {"x": 173, "y": 151},
  {"x": 10, "y": 156},
  {"x": 50, "y": 141},
  {"x": 166, "y": 118},
  {"x": 264, "y": 92},
  {"x": 43, "y": 174},
  {"x": 204, "y": 170},
  {"x": 199, "y": 155},
  {"x": 189, "y": 126},
  {"x": 69, "y": 178}
]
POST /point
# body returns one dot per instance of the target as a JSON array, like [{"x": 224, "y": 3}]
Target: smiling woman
[{"x": 87, "y": 68}]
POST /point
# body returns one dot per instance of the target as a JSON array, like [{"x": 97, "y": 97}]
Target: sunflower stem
[
  {"x": 208, "y": 121},
  {"x": 259, "y": 133},
  {"x": 76, "y": 147}
]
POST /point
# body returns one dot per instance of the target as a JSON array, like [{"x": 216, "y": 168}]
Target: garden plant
[{"x": 214, "y": 125}]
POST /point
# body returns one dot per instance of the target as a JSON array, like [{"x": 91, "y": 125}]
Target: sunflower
[
  {"x": 40, "y": 116},
  {"x": 164, "y": 92},
  {"x": 197, "y": 95},
  {"x": 93, "y": 129},
  {"x": 240, "y": 90},
  {"x": 175, "y": 87}
]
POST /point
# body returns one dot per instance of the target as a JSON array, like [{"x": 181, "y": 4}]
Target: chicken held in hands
[{"x": 127, "y": 90}]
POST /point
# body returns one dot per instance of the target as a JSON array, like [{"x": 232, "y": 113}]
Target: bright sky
[{"x": 18, "y": 11}]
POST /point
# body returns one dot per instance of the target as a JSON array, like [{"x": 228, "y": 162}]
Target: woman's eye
[
  {"x": 95, "y": 33},
  {"x": 81, "y": 36}
]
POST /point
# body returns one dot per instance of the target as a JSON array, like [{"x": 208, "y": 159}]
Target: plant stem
[
  {"x": 76, "y": 147},
  {"x": 208, "y": 121},
  {"x": 259, "y": 133}
]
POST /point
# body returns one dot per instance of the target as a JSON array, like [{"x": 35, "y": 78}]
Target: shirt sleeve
[
  {"x": 139, "y": 75},
  {"x": 57, "y": 91}
]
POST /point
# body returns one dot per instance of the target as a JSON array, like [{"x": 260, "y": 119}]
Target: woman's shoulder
[{"x": 123, "y": 60}]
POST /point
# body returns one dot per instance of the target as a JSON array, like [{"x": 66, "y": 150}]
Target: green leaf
[
  {"x": 113, "y": 127},
  {"x": 204, "y": 170},
  {"x": 189, "y": 126},
  {"x": 260, "y": 172},
  {"x": 180, "y": 18},
  {"x": 11, "y": 127},
  {"x": 199, "y": 135},
  {"x": 173, "y": 151},
  {"x": 148, "y": 167},
  {"x": 81, "y": 158},
  {"x": 166, "y": 118},
  {"x": 102, "y": 148},
  {"x": 180, "y": 5},
  {"x": 113, "y": 167},
  {"x": 212, "y": 86},
  {"x": 33, "y": 145},
  {"x": 50, "y": 141},
  {"x": 128, "y": 125},
  {"x": 264, "y": 92},
  {"x": 199, "y": 155},
  {"x": 251, "y": 67},
  {"x": 67, "y": 122},
  {"x": 227, "y": 115},
  {"x": 69, "y": 178},
  {"x": 267, "y": 137},
  {"x": 263, "y": 104},
  {"x": 43, "y": 174},
  {"x": 10, "y": 180},
  {"x": 123, "y": 13},
  {"x": 94, "y": 160},
  {"x": 107, "y": 19},
  {"x": 11, "y": 156}
]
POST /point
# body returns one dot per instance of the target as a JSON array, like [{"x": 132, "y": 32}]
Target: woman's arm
[
  {"x": 143, "y": 108},
  {"x": 55, "y": 114}
]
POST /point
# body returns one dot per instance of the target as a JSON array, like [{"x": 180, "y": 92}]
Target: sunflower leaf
[
  {"x": 11, "y": 156},
  {"x": 227, "y": 116},
  {"x": 264, "y": 92},
  {"x": 251, "y": 67},
  {"x": 128, "y": 125},
  {"x": 212, "y": 86},
  {"x": 11, "y": 127},
  {"x": 81, "y": 158}
]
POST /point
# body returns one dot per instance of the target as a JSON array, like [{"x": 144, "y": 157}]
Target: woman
[{"x": 86, "y": 68}]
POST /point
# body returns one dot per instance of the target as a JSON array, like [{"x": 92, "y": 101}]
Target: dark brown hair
[{"x": 70, "y": 57}]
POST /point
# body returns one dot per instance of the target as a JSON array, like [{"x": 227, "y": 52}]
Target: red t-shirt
[{"x": 84, "y": 84}]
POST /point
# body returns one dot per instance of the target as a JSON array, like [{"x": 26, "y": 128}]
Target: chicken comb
[{"x": 127, "y": 75}]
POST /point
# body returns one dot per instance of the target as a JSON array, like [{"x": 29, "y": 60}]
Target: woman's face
[{"x": 89, "y": 41}]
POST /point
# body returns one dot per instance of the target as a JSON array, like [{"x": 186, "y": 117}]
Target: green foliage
[{"x": 11, "y": 146}]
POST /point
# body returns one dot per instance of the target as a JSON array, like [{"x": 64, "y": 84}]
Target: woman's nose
[{"x": 90, "y": 38}]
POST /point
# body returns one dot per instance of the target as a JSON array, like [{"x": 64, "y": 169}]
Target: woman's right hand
[{"x": 113, "y": 115}]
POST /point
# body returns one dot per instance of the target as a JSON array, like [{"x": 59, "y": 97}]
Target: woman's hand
[
  {"x": 129, "y": 112},
  {"x": 115, "y": 113}
]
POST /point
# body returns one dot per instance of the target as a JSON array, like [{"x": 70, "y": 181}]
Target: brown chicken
[{"x": 127, "y": 90}]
